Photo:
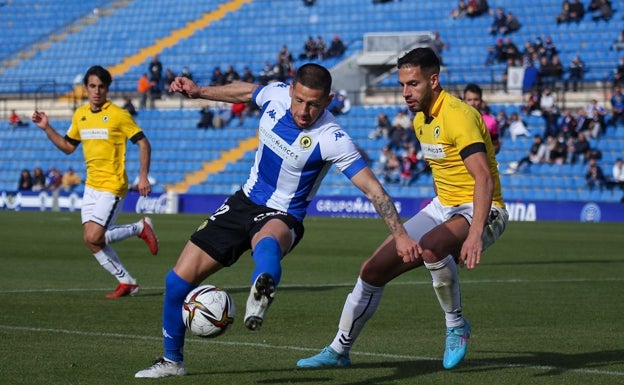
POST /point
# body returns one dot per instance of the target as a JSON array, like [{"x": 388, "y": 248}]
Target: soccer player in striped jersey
[
  {"x": 104, "y": 129},
  {"x": 299, "y": 141},
  {"x": 465, "y": 217}
]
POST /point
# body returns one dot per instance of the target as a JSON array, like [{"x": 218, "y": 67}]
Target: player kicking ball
[{"x": 299, "y": 141}]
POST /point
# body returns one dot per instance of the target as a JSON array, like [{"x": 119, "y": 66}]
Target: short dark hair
[
  {"x": 474, "y": 88},
  {"x": 102, "y": 74},
  {"x": 423, "y": 57},
  {"x": 314, "y": 76}
]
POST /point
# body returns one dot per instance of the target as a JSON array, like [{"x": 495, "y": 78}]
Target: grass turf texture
[{"x": 545, "y": 305}]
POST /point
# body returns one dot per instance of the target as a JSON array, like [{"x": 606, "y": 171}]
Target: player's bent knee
[
  {"x": 379, "y": 274},
  {"x": 94, "y": 241}
]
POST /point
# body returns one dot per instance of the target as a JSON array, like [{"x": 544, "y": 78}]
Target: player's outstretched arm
[{"x": 235, "y": 92}]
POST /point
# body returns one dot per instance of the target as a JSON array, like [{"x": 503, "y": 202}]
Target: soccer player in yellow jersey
[
  {"x": 464, "y": 218},
  {"x": 104, "y": 128}
]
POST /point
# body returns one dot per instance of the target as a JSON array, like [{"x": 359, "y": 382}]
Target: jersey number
[{"x": 221, "y": 210}]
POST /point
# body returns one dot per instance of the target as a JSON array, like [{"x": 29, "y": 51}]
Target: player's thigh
[
  {"x": 100, "y": 207},
  {"x": 195, "y": 265},
  {"x": 384, "y": 265},
  {"x": 425, "y": 220},
  {"x": 444, "y": 239},
  {"x": 278, "y": 229}
]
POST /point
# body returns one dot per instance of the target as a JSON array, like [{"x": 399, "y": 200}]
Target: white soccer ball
[{"x": 208, "y": 311}]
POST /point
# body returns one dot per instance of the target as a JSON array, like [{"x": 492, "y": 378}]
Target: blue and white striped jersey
[{"x": 290, "y": 162}]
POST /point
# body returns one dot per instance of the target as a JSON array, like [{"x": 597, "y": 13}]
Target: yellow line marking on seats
[
  {"x": 168, "y": 41},
  {"x": 215, "y": 166}
]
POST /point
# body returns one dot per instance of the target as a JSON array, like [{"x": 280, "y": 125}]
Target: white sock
[
  {"x": 121, "y": 232},
  {"x": 445, "y": 277},
  {"x": 108, "y": 258},
  {"x": 359, "y": 307}
]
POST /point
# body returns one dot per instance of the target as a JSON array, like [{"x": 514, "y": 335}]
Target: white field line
[
  {"x": 303, "y": 349},
  {"x": 313, "y": 350},
  {"x": 330, "y": 285}
]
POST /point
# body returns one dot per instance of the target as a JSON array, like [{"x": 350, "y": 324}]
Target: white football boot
[
  {"x": 260, "y": 297},
  {"x": 162, "y": 368}
]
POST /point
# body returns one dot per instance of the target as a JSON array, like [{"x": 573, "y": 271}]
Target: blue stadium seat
[{"x": 233, "y": 39}]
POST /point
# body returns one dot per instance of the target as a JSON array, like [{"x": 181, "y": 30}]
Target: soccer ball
[{"x": 208, "y": 311}]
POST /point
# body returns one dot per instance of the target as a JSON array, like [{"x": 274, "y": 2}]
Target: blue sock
[
  {"x": 173, "y": 330},
  {"x": 267, "y": 256}
]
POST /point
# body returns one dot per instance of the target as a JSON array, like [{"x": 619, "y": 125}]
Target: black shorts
[{"x": 227, "y": 233}]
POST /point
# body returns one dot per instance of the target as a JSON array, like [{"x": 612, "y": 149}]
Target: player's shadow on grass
[
  {"x": 401, "y": 370},
  {"x": 543, "y": 363},
  {"x": 553, "y": 363}
]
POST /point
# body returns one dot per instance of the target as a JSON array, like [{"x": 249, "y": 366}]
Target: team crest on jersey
[
  {"x": 305, "y": 142},
  {"x": 436, "y": 132},
  {"x": 105, "y": 118}
]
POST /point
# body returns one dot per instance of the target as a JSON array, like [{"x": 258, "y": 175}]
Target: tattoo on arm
[{"x": 386, "y": 209}]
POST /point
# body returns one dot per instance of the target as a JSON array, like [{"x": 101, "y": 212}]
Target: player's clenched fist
[
  {"x": 40, "y": 119},
  {"x": 185, "y": 86}
]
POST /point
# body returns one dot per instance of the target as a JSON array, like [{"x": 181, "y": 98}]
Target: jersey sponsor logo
[
  {"x": 338, "y": 135},
  {"x": 432, "y": 151},
  {"x": 277, "y": 144},
  {"x": 94, "y": 133},
  {"x": 262, "y": 216}
]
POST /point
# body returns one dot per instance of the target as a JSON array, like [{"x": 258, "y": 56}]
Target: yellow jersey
[
  {"x": 104, "y": 135},
  {"x": 452, "y": 126}
]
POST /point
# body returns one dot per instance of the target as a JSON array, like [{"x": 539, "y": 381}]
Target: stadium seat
[{"x": 232, "y": 38}]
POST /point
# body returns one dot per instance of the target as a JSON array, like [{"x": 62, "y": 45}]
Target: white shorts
[
  {"x": 100, "y": 207},
  {"x": 435, "y": 214}
]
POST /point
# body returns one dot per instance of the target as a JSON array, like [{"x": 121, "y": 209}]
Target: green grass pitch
[{"x": 545, "y": 304}]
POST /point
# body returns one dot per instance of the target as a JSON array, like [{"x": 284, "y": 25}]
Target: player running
[{"x": 104, "y": 128}]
